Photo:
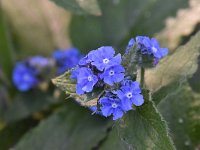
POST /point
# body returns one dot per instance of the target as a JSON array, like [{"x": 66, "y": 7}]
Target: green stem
[{"x": 142, "y": 73}]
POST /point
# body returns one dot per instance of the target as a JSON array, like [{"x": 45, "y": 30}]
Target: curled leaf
[{"x": 67, "y": 84}]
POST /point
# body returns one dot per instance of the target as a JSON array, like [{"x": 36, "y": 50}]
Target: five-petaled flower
[
  {"x": 85, "y": 80},
  {"x": 111, "y": 106},
  {"x": 113, "y": 74},
  {"x": 24, "y": 77},
  {"x": 151, "y": 47},
  {"x": 130, "y": 93},
  {"x": 66, "y": 59},
  {"x": 103, "y": 58}
]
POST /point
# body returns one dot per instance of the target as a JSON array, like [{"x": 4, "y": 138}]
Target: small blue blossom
[
  {"x": 66, "y": 59},
  {"x": 74, "y": 73},
  {"x": 131, "y": 43},
  {"x": 24, "y": 77},
  {"x": 86, "y": 60},
  {"x": 85, "y": 80},
  {"x": 113, "y": 74},
  {"x": 95, "y": 110},
  {"x": 151, "y": 47},
  {"x": 130, "y": 94},
  {"x": 111, "y": 106},
  {"x": 103, "y": 58},
  {"x": 39, "y": 61}
]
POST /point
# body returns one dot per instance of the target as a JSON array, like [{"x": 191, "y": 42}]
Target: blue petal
[
  {"x": 118, "y": 77},
  {"x": 116, "y": 60},
  {"x": 108, "y": 80},
  {"x": 138, "y": 100},
  {"x": 104, "y": 101},
  {"x": 120, "y": 94},
  {"x": 88, "y": 87},
  {"x": 164, "y": 51},
  {"x": 118, "y": 113},
  {"x": 106, "y": 110},
  {"x": 79, "y": 90},
  {"x": 155, "y": 43},
  {"x": 107, "y": 51},
  {"x": 126, "y": 104},
  {"x": 135, "y": 87}
]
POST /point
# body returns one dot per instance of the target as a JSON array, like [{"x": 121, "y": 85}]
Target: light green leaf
[
  {"x": 67, "y": 84},
  {"x": 80, "y": 6},
  {"x": 175, "y": 68},
  {"x": 142, "y": 129},
  {"x": 72, "y": 127}
]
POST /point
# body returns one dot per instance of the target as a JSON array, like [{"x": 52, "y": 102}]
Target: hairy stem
[{"x": 142, "y": 73}]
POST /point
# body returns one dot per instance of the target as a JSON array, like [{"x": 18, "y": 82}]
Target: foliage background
[{"x": 43, "y": 119}]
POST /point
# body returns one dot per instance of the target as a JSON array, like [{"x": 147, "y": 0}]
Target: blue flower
[
  {"x": 39, "y": 61},
  {"x": 85, "y": 80},
  {"x": 151, "y": 47},
  {"x": 24, "y": 77},
  {"x": 66, "y": 59},
  {"x": 95, "y": 110},
  {"x": 129, "y": 94},
  {"x": 131, "y": 43},
  {"x": 111, "y": 106},
  {"x": 74, "y": 73},
  {"x": 113, "y": 74},
  {"x": 86, "y": 60},
  {"x": 103, "y": 58}
]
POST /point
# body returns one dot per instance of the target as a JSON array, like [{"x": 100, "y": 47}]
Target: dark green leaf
[
  {"x": 6, "y": 60},
  {"x": 67, "y": 84},
  {"x": 141, "y": 129},
  {"x": 11, "y": 134},
  {"x": 122, "y": 20},
  {"x": 80, "y": 6},
  {"x": 72, "y": 127},
  {"x": 4, "y": 100},
  {"x": 181, "y": 109},
  {"x": 25, "y": 104}
]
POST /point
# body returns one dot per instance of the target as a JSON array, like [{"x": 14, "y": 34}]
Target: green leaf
[
  {"x": 67, "y": 84},
  {"x": 25, "y": 104},
  {"x": 181, "y": 109},
  {"x": 72, "y": 127},
  {"x": 4, "y": 100},
  {"x": 142, "y": 129},
  {"x": 120, "y": 21},
  {"x": 11, "y": 134},
  {"x": 175, "y": 69},
  {"x": 80, "y": 6},
  {"x": 6, "y": 60}
]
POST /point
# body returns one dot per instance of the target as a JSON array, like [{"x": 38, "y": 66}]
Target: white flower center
[
  {"x": 129, "y": 95},
  {"x": 114, "y": 105},
  {"x": 26, "y": 77},
  {"x": 106, "y": 60},
  {"x": 154, "y": 49},
  {"x": 111, "y": 72},
  {"x": 89, "y": 78}
]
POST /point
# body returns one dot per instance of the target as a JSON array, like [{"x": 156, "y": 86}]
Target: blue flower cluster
[
  {"x": 66, "y": 59},
  {"x": 148, "y": 47},
  {"x": 101, "y": 68},
  {"x": 118, "y": 102},
  {"x": 26, "y": 74}
]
